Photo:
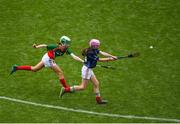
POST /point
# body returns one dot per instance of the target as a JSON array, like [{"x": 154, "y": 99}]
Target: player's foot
[
  {"x": 102, "y": 102},
  {"x": 62, "y": 92},
  {"x": 13, "y": 69}
]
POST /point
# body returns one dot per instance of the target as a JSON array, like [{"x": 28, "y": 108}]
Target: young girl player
[
  {"x": 48, "y": 60},
  {"x": 91, "y": 58}
]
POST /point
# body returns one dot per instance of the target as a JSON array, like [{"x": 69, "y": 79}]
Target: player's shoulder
[
  {"x": 97, "y": 51},
  {"x": 69, "y": 51},
  {"x": 52, "y": 45}
]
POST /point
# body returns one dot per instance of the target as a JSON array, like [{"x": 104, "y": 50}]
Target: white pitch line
[{"x": 88, "y": 112}]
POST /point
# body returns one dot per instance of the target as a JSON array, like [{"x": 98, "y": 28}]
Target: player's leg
[
  {"x": 97, "y": 91},
  {"x": 86, "y": 74},
  {"x": 60, "y": 74},
  {"x": 82, "y": 86},
  {"x": 35, "y": 68},
  {"x": 72, "y": 89}
]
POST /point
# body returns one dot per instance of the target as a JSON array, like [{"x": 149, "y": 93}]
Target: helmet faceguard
[{"x": 64, "y": 40}]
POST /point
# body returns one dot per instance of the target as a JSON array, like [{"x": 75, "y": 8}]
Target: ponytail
[{"x": 84, "y": 51}]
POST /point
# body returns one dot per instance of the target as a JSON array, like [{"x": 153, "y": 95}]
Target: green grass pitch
[{"x": 144, "y": 86}]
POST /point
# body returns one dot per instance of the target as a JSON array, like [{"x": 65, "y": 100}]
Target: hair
[{"x": 85, "y": 51}]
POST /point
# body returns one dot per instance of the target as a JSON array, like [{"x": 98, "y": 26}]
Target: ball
[{"x": 150, "y": 47}]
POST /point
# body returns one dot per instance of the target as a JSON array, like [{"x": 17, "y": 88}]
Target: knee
[{"x": 60, "y": 74}]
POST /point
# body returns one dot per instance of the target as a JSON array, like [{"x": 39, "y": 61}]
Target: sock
[
  {"x": 67, "y": 89},
  {"x": 98, "y": 97},
  {"x": 70, "y": 89},
  {"x": 23, "y": 68},
  {"x": 63, "y": 82}
]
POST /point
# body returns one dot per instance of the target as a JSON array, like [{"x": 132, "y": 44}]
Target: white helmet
[
  {"x": 65, "y": 40},
  {"x": 94, "y": 42}
]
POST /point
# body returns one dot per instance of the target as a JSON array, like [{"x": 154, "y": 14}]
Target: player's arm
[
  {"x": 40, "y": 46},
  {"x": 107, "y": 55},
  {"x": 69, "y": 52},
  {"x": 107, "y": 59},
  {"x": 76, "y": 58}
]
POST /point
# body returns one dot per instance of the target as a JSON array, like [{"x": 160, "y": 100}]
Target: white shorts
[
  {"x": 86, "y": 72},
  {"x": 48, "y": 62}
]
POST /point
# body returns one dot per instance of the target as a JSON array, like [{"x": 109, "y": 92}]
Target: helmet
[
  {"x": 94, "y": 42},
  {"x": 65, "y": 40}
]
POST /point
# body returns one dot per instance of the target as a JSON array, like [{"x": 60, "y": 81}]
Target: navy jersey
[{"x": 91, "y": 58}]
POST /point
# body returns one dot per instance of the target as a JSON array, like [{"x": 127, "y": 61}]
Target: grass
[{"x": 144, "y": 86}]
